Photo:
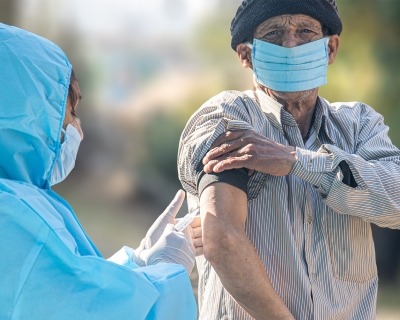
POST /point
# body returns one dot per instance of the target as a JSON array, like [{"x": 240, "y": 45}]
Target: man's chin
[{"x": 296, "y": 96}]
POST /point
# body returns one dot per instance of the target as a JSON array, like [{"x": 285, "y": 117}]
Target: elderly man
[{"x": 288, "y": 182}]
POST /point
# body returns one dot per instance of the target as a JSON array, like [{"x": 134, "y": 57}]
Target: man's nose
[{"x": 290, "y": 39}]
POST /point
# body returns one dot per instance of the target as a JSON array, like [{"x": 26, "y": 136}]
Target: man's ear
[
  {"x": 333, "y": 47},
  {"x": 244, "y": 54}
]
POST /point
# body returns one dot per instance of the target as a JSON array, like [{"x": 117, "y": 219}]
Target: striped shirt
[{"x": 311, "y": 231}]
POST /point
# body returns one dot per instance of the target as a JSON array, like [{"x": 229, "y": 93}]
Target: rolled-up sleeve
[
  {"x": 375, "y": 167},
  {"x": 225, "y": 112}
]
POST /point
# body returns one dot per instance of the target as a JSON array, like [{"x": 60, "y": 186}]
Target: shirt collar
[
  {"x": 325, "y": 124},
  {"x": 275, "y": 113},
  {"x": 271, "y": 108}
]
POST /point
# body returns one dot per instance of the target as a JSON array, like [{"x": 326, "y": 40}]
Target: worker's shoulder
[
  {"x": 15, "y": 188},
  {"x": 17, "y": 197},
  {"x": 18, "y": 209},
  {"x": 30, "y": 208},
  {"x": 350, "y": 111},
  {"x": 21, "y": 198}
]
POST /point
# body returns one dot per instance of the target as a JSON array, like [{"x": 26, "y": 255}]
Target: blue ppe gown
[{"x": 49, "y": 268}]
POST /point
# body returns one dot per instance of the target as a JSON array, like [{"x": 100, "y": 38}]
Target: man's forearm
[
  {"x": 244, "y": 276},
  {"x": 375, "y": 180},
  {"x": 233, "y": 256}
]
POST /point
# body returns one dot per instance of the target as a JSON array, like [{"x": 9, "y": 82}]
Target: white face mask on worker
[{"x": 65, "y": 161}]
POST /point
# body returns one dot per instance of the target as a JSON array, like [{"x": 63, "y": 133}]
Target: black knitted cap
[{"x": 252, "y": 13}]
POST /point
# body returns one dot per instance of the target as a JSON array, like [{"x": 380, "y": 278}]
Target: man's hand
[
  {"x": 197, "y": 236},
  {"x": 195, "y": 232},
  {"x": 248, "y": 149}
]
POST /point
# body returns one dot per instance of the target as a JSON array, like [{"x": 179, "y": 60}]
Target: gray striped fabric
[{"x": 312, "y": 232}]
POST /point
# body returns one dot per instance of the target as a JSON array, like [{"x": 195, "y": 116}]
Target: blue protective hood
[{"x": 34, "y": 81}]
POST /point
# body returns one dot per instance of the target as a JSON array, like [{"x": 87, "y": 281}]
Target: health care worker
[{"x": 49, "y": 268}]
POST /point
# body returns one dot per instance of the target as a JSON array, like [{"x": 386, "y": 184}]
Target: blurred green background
[{"x": 146, "y": 66}]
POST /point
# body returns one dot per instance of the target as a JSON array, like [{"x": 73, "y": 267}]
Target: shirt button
[
  {"x": 313, "y": 276},
  {"x": 309, "y": 220}
]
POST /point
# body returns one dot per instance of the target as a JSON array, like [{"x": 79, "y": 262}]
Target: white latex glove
[
  {"x": 172, "y": 247},
  {"x": 158, "y": 227}
]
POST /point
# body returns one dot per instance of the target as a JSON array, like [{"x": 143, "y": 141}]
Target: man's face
[{"x": 289, "y": 31}]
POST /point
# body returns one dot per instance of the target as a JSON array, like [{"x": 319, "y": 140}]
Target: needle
[{"x": 187, "y": 219}]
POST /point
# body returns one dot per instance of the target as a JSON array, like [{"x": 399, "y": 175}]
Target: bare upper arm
[{"x": 223, "y": 215}]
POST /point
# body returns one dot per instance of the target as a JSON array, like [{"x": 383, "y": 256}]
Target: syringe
[{"x": 186, "y": 220}]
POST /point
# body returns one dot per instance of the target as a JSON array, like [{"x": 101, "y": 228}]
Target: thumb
[
  {"x": 175, "y": 204},
  {"x": 189, "y": 237}
]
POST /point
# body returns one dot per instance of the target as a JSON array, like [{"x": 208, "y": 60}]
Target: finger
[
  {"x": 199, "y": 251},
  {"x": 196, "y": 222},
  {"x": 233, "y": 163},
  {"x": 169, "y": 228},
  {"x": 175, "y": 204},
  {"x": 208, "y": 168},
  {"x": 228, "y": 136},
  {"x": 188, "y": 232},
  {"x": 189, "y": 237},
  {"x": 223, "y": 149},
  {"x": 198, "y": 242},
  {"x": 197, "y": 232}
]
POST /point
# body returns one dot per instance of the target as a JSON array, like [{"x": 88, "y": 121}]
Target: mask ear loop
[
  {"x": 65, "y": 131},
  {"x": 64, "y": 136},
  {"x": 249, "y": 45},
  {"x": 327, "y": 39},
  {"x": 79, "y": 131}
]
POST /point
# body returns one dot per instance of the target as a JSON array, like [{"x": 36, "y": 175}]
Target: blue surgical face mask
[
  {"x": 290, "y": 69},
  {"x": 67, "y": 156}
]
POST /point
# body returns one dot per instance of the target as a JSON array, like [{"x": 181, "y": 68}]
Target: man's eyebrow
[
  {"x": 277, "y": 25},
  {"x": 274, "y": 24},
  {"x": 263, "y": 29},
  {"x": 309, "y": 24}
]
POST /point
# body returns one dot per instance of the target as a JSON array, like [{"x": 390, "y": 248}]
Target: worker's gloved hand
[
  {"x": 158, "y": 227},
  {"x": 167, "y": 217},
  {"x": 172, "y": 247}
]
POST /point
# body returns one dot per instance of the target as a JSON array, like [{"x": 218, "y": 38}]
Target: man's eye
[
  {"x": 272, "y": 33},
  {"x": 307, "y": 31}
]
